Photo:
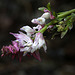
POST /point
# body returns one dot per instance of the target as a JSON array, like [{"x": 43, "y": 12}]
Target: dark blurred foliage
[{"x": 60, "y": 56}]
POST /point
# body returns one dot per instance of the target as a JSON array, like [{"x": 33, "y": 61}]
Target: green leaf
[
  {"x": 73, "y": 14},
  {"x": 73, "y": 17},
  {"x": 49, "y": 6},
  {"x": 53, "y": 36},
  {"x": 42, "y": 8},
  {"x": 69, "y": 22},
  {"x": 70, "y": 27},
  {"x": 63, "y": 33}
]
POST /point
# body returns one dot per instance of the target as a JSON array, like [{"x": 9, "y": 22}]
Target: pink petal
[
  {"x": 15, "y": 44},
  {"x": 37, "y": 55},
  {"x": 51, "y": 16}
]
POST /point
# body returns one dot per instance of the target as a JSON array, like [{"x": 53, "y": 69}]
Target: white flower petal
[
  {"x": 38, "y": 42},
  {"x": 22, "y": 38},
  {"x": 27, "y": 49},
  {"x": 28, "y": 30},
  {"x": 39, "y": 27},
  {"x": 46, "y": 15},
  {"x": 45, "y": 47},
  {"x": 40, "y": 21}
]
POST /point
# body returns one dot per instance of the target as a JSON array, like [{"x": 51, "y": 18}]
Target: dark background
[{"x": 60, "y": 56}]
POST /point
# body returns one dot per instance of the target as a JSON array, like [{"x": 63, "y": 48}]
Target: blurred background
[{"x": 60, "y": 56}]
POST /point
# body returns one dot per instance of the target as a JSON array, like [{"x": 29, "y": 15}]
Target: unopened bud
[
  {"x": 61, "y": 22},
  {"x": 60, "y": 28}
]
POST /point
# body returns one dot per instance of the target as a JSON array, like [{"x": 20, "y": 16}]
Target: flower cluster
[{"x": 29, "y": 42}]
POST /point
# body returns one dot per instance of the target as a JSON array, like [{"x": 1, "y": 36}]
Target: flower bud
[
  {"x": 61, "y": 22},
  {"x": 60, "y": 28}
]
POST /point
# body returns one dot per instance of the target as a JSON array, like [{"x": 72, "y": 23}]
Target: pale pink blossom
[
  {"x": 22, "y": 38},
  {"x": 38, "y": 27},
  {"x": 28, "y": 30},
  {"x": 47, "y": 11},
  {"x": 38, "y": 42},
  {"x": 24, "y": 41},
  {"x": 46, "y": 15},
  {"x": 14, "y": 48},
  {"x": 40, "y": 21},
  {"x": 15, "y": 44}
]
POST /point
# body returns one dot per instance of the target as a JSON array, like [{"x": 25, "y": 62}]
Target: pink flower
[
  {"x": 38, "y": 27},
  {"x": 6, "y": 50},
  {"x": 16, "y": 46},
  {"x": 40, "y": 21},
  {"x": 10, "y": 49},
  {"x": 38, "y": 42},
  {"x": 24, "y": 41},
  {"x": 46, "y": 15},
  {"x": 28, "y": 30},
  {"x": 25, "y": 44},
  {"x": 47, "y": 11}
]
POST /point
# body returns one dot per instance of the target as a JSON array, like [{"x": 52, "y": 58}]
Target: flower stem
[
  {"x": 44, "y": 29},
  {"x": 66, "y": 13}
]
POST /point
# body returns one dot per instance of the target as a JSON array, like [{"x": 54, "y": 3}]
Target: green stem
[
  {"x": 45, "y": 28},
  {"x": 66, "y": 13},
  {"x": 54, "y": 21}
]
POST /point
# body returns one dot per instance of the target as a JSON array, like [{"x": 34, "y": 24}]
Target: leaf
[
  {"x": 49, "y": 6},
  {"x": 69, "y": 22},
  {"x": 70, "y": 27},
  {"x": 42, "y": 8},
  {"x": 73, "y": 17},
  {"x": 53, "y": 36},
  {"x": 63, "y": 33},
  {"x": 73, "y": 14}
]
